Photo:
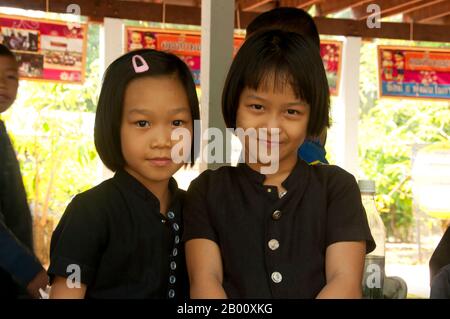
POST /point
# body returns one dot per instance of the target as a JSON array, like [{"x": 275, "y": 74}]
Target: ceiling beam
[
  {"x": 411, "y": 8},
  {"x": 388, "y": 30},
  {"x": 186, "y": 15},
  {"x": 430, "y": 13},
  {"x": 191, "y": 3},
  {"x": 250, "y": 5},
  {"x": 328, "y": 7},
  {"x": 386, "y": 6},
  {"x": 97, "y": 10},
  {"x": 301, "y": 4}
]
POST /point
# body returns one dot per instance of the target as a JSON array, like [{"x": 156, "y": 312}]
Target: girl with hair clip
[
  {"x": 121, "y": 239},
  {"x": 298, "y": 231}
]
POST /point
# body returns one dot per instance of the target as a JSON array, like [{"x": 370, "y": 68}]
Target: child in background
[
  {"x": 298, "y": 232},
  {"x": 121, "y": 239},
  {"x": 299, "y": 21},
  {"x": 19, "y": 268}
]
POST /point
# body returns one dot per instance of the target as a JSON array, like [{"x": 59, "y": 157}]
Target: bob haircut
[
  {"x": 286, "y": 19},
  {"x": 4, "y": 51},
  {"x": 286, "y": 58},
  {"x": 110, "y": 105}
]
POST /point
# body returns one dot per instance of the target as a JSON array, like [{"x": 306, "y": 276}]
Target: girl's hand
[
  {"x": 40, "y": 281},
  {"x": 60, "y": 290},
  {"x": 204, "y": 265},
  {"x": 344, "y": 266}
]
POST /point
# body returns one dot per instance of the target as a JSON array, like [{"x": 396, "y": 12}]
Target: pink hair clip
[{"x": 139, "y": 68}]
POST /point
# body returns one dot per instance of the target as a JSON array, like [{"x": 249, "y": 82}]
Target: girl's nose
[
  {"x": 273, "y": 122},
  {"x": 161, "y": 138}
]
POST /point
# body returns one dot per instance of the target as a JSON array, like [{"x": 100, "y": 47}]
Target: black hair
[
  {"x": 110, "y": 105},
  {"x": 287, "y": 19},
  {"x": 285, "y": 58},
  {"x": 4, "y": 51}
]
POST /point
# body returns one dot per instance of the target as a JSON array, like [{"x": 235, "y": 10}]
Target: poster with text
[
  {"x": 414, "y": 72},
  {"x": 46, "y": 50},
  {"x": 184, "y": 44}
]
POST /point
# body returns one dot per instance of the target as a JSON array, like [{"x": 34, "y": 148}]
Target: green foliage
[
  {"x": 389, "y": 129},
  {"x": 52, "y": 128}
]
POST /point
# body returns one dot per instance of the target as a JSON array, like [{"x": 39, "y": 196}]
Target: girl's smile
[
  {"x": 269, "y": 111},
  {"x": 160, "y": 161}
]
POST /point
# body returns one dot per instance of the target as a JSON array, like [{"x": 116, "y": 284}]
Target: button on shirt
[
  {"x": 124, "y": 246},
  {"x": 275, "y": 247}
]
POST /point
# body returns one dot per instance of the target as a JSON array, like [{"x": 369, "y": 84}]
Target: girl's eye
[
  {"x": 256, "y": 106},
  {"x": 293, "y": 112},
  {"x": 177, "y": 122},
  {"x": 142, "y": 123},
  {"x": 12, "y": 77}
]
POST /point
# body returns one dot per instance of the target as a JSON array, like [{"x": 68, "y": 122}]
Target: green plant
[
  {"x": 388, "y": 130},
  {"x": 53, "y": 136}
]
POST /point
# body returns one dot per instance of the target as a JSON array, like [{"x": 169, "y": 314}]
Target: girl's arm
[
  {"x": 344, "y": 265},
  {"x": 60, "y": 290},
  {"x": 204, "y": 264}
]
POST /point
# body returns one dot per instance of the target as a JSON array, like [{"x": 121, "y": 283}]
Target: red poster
[
  {"x": 185, "y": 44},
  {"x": 331, "y": 53},
  {"x": 414, "y": 72},
  {"x": 46, "y": 50}
]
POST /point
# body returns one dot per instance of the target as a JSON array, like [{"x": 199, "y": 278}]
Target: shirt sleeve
[
  {"x": 197, "y": 218},
  {"x": 441, "y": 255},
  {"x": 78, "y": 241},
  {"x": 16, "y": 255},
  {"x": 17, "y": 259},
  {"x": 346, "y": 218}
]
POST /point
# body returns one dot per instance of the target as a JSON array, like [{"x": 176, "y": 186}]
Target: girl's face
[
  {"x": 153, "y": 108},
  {"x": 9, "y": 82},
  {"x": 136, "y": 37},
  {"x": 149, "y": 40},
  {"x": 269, "y": 108}
]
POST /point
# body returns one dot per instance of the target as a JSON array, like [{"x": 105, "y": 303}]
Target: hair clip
[{"x": 140, "y": 68}]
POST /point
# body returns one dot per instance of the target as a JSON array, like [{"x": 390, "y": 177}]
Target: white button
[
  {"x": 276, "y": 215},
  {"x": 173, "y": 265},
  {"x": 276, "y": 277},
  {"x": 273, "y": 244},
  {"x": 163, "y": 221},
  {"x": 170, "y": 215},
  {"x": 172, "y": 279},
  {"x": 176, "y": 227},
  {"x": 175, "y": 252},
  {"x": 177, "y": 239},
  {"x": 171, "y": 293}
]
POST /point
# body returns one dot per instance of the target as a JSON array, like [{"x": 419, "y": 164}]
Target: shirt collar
[
  {"x": 298, "y": 176},
  {"x": 250, "y": 173},
  {"x": 128, "y": 183}
]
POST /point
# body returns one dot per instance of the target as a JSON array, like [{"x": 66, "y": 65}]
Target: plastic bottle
[{"x": 373, "y": 278}]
